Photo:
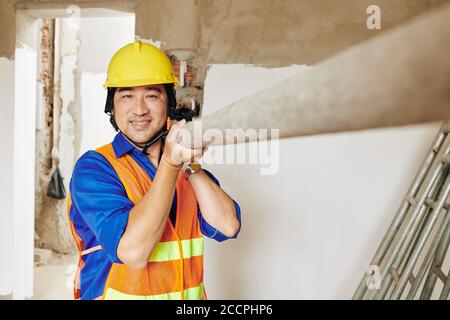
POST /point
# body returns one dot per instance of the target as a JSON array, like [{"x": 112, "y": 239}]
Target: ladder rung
[
  {"x": 445, "y": 159},
  {"x": 412, "y": 201},
  {"x": 411, "y": 278},
  {"x": 430, "y": 202},
  {"x": 438, "y": 271},
  {"x": 394, "y": 273}
]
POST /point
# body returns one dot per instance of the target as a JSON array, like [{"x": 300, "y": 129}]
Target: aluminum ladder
[{"x": 409, "y": 260}]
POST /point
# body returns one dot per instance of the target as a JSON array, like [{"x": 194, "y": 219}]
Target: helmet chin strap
[
  {"x": 146, "y": 145},
  {"x": 161, "y": 135}
]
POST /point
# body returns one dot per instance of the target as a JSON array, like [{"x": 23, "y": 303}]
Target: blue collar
[{"x": 121, "y": 145}]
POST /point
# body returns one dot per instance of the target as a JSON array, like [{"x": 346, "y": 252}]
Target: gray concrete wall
[
  {"x": 267, "y": 32},
  {"x": 175, "y": 23},
  {"x": 276, "y": 33},
  {"x": 7, "y": 28}
]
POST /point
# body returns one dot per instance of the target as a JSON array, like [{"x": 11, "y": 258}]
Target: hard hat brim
[{"x": 136, "y": 83}]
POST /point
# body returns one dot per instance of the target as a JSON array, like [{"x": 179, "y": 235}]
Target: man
[{"x": 138, "y": 208}]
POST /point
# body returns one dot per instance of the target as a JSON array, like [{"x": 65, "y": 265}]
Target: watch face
[{"x": 195, "y": 166}]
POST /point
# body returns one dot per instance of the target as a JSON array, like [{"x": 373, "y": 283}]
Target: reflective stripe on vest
[
  {"x": 195, "y": 293},
  {"x": 166, "y": 251}
]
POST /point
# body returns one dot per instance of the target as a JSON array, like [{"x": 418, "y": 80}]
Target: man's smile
[{"x": 140, "y": 124}]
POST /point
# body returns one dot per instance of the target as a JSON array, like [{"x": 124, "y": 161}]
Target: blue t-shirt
[{"x": 100, "y": 209}]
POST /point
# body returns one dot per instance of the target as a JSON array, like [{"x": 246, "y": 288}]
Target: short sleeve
[
  {"x": 209, "y": 231},
  {"x": 100, "y": 198}
]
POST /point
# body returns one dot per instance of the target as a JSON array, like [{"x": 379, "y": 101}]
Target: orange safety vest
[{"x": 175, "y": 267}]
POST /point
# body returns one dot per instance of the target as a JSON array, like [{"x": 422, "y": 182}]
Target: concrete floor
[{"x": 54, "y": 279}]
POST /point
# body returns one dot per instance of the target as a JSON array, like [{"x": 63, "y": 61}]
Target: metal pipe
[
  {"x": 398, "y": 254},
  {"x": 397, "y": 257},
  {"x": 422, "y": 240},
  {"x": 417, "y": 237},
  {"x": 417, "y": 234},
  {"x": 403, "y": 209},
  {"x": 438, "y": 260},
  {"x": 446, "y": 290},
  {"x": 402, "y": 245},
  {"x": 429, "y": 257},
  {"x": 440, "y": 241},
  {"x": 400, "y": 77}
]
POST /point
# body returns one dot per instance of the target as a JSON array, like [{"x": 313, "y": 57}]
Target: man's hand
[{"x": 175, "y": 153}]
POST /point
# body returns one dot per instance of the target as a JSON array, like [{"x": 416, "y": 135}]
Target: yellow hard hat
[{"x": 137, "y": 64}]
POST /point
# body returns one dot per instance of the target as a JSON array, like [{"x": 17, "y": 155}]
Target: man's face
[{"x": 140, "y": 112}]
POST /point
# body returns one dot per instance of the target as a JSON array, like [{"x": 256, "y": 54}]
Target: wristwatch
[{"x": 191, "y": 168}]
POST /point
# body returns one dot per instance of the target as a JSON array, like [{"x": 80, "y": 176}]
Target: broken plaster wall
[
  {"x": 44, "y": 123},
  {"x": 52, "y": 226}
]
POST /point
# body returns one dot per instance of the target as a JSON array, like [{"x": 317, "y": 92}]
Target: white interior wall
[
  {"x": 25, "y": 89},
  {"x": 100, "y": 38},
  {"x": 6, "y": 172},
  {"x": 309, "y": 231}
]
